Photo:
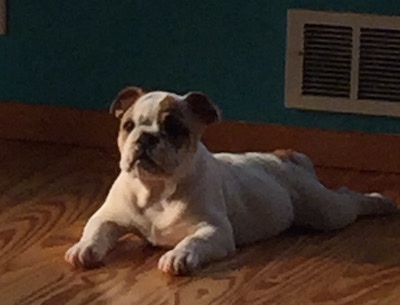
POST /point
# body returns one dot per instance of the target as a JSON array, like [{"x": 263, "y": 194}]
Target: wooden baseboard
[
  {"x": 89, "y": 128},
  {"x": 361, "y": 151},
  {"x": 57, "y": 124}
]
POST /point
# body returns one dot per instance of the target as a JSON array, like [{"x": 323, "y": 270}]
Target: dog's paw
[
  {"x": 84, "y": 254},
  {"x": 178, "y": 262},
  {"x": 386, "y": 205}
]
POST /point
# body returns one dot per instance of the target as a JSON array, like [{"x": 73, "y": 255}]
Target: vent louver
[
  {"x": 327, "y": 60},
  {"x": 379, "y": 65},
  {"x": 343, "y": 62}
]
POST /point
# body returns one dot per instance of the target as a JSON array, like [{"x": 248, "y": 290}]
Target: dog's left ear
[
  {"x": 125, "y": 98},
  {"x": 202, "y": 107}
]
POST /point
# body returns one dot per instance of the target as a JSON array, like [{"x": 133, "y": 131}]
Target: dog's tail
[
  {"x": 303, "y": 161},
  {"x": 297, "y": 158}
]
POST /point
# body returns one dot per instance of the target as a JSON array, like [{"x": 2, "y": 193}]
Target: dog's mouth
[{"x": 145, "y": 162}]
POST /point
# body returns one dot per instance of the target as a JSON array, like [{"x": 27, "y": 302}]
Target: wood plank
[
  {"x": 98, "y": 129},
  {"x": 48, "y": 191}
]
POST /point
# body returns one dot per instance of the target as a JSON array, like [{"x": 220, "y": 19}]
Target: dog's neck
[
  {"x": 153, "y": 191},
  {"x": 195, "y": 172},
  {"x": 174, "y": 187}
]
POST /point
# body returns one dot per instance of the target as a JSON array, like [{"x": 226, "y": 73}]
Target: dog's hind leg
[
  {"x": 370, "y": 203},
  {"x": 324, "y": 209}
]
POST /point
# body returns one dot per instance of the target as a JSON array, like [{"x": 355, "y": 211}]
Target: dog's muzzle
[
  {"x": 147, "y": 141},
  {"x": 142, "y": 154}
]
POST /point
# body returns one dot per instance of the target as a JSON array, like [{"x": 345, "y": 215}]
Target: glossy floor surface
[{"x": 47, "y": 192}]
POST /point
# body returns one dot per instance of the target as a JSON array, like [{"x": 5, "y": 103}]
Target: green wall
[{"x": 79, "y": 53}]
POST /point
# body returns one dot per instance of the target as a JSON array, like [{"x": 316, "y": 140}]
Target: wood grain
[
  {"x": 47, "y": 192},
  {"x": 98, "y": 129}
]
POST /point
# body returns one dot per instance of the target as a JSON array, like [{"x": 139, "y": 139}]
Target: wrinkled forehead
[{"x": 151, "y": 105}]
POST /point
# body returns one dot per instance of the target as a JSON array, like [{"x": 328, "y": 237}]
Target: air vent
[
  {"x": 379, "y": 65},
  {"x": 343, "y": 62},
  {"x": 327, "y": 60}
]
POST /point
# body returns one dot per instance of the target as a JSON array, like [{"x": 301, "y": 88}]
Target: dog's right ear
[{"x": 125, "y": 98}]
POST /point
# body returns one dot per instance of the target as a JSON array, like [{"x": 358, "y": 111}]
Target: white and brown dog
[{"x": 174, "y": 193}]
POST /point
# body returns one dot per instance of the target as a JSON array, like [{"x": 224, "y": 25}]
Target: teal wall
[{"x": 79, "y": 53}]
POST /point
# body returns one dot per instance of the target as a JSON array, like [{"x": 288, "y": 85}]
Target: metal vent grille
[
  {"x": 343, "y": 62},
  {"x": 327, "y": 60},
  {"x": 379, "y": 65}
]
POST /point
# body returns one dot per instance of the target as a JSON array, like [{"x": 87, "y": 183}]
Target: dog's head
[{"x": 159, "y": 131}]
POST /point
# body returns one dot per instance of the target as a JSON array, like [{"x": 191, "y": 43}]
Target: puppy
[{"x": 176, "y": 194}]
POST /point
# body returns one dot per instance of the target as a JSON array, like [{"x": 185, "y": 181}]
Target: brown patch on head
[
  {"x": 167, "y": 105},
  {"x": 172, "y": 124},
  {"x": 285, "y": 155},
  {"x": 124, "y": 100}
]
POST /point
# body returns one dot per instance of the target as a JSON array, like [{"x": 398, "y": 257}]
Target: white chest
[{"x": 168, "y": 223}]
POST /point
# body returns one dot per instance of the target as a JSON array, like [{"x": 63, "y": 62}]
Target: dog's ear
[
  {"x": 202, "y": 107},
  {"x": 125, "y": 98}
]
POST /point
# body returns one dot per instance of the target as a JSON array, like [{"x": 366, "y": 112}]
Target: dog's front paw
[
  {"x": 84, "y": 254},
  {"x": 178, "y": 262}
]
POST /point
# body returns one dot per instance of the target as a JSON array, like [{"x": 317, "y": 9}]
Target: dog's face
[{"x": 159, "y": 131}]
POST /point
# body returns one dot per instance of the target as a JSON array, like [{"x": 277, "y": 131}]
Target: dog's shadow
[
  {"x": 370, "y": 241},
  {"x": 133, "y": 252}
]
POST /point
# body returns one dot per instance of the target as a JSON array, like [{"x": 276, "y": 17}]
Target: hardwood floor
[{"x": 47, "y": 192}]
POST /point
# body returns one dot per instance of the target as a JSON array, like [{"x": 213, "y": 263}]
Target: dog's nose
[{"x": 147, "y": 140}]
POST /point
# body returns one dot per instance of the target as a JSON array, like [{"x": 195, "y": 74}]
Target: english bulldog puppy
[{"x": 176, "y": 194}]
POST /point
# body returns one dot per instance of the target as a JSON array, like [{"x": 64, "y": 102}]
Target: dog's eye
[
  {"x": 174, "y": 127},
  {"x": 128, "y": 126}
]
